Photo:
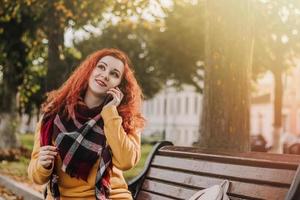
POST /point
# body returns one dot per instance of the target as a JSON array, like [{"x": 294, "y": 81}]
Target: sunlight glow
[
  {"x": 284, "y": 39},
  {"x": 284, "y": 14}
]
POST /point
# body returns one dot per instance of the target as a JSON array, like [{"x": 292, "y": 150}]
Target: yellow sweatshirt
[{"x": 125, "y": 154}]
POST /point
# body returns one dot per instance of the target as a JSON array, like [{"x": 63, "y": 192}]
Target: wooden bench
[{"x": 173, "y": 172}]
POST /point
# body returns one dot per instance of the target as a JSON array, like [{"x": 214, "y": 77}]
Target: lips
[{"x": 101, "y": 83}]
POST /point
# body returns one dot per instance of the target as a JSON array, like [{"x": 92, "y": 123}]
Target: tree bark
[
  {"x": 8, "y": 127},
  {"x": 56, "y": 66},
  {"x": 278, "y": 93},
  {"x": 226, "y": 100},
  {"x": 8, "y": 119},
  {"x": 14, "y": 64}
]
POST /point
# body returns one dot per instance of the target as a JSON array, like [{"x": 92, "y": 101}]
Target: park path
[{"x": 14, "y": 190}]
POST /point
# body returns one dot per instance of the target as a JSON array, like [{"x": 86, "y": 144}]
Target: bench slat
[
  {"x": 172, "y": 191},
  {"x": 253, "y": 174},
  {"x": 178, "y": 193},
  {"x": 250, "y": 158},
  {"x": 238, "y": 189},
  {"x": 144, "y": 195}
]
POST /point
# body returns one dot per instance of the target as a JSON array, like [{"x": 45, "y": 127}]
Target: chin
[{"x": 98, "y": 91}]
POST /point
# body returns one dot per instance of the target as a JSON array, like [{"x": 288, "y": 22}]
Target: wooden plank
[
  {"x": 144, "y": 195},
  {"x": 251, "y": 173},
  {"x": 179, "y": 193},
  {"x": 168, "y": 190},
  {"x": 237, "y": 188},
  {"x": 235, "y": 198},
  {"x": 256, "y": 158}
]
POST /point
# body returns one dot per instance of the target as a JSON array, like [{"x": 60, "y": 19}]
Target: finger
[
  {"x": 115, "y": 89},
  {"x": 112, "y": 93},
  {"x": 46, "y": 163},
  {"x": 122, "y": 95},
  {"x": 47, "y": 157},
  {"x": 48, "y": 151},
  {"x": 118, "y": 89},
  {"x": 49, "y": 147},
  {"x": 54, "y": 153},
  {"x": 118, "y": 92}
]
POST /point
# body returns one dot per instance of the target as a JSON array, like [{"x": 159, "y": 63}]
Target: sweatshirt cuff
[
  {"x": 109, "y": 112},
  {"x": 44, "y": 171}
]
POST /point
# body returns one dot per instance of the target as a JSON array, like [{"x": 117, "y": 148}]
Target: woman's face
[{"x": 107, "y": 74}]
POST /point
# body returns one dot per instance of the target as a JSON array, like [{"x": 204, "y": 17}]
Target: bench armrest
[
  {"x": 135, "y": 184},
  {"x": 294, "y": 191}
]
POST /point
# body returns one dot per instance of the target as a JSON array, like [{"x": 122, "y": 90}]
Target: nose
[{"x": 105, "y": 76}]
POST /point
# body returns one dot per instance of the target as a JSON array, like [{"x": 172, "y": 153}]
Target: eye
[
  {"x": 115, "y": 74},
  {"x": 102, "y": 67}
]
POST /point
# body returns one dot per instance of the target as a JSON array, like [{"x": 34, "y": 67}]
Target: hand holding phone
[{"x": 114, "y": 97}]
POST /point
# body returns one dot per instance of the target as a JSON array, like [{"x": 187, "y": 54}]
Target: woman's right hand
[{"x": 47, "y": 155}]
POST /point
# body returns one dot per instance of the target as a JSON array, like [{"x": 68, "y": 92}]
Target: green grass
[
  {"x": 16, "y": 168},
  {"x": 146, "y": 148},
  {"x": 26, "y": 140}
]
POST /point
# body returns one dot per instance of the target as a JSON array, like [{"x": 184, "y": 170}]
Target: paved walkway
[{"x": 19, "y": 189}]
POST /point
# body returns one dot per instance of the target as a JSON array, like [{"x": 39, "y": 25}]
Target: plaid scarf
[{"x": 81, "y": 142}]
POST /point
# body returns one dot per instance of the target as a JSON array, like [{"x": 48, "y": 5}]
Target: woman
[{"x": 90, "y": 131}]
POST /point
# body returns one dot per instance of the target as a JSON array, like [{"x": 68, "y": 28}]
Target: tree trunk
[
  {"x": 56, "y": 65},
  {"x": 8, "y": 117},
  {"x": 226, "y": 100},
  {"x": 277, "y": 125},
  {"x": 14, "y": 64},
  {"x": 8, "y": 127}
]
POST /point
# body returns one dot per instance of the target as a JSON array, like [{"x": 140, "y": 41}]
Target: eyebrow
[
  {"x": 115, "y": 69},
  {"x": 103, "y": 63}
]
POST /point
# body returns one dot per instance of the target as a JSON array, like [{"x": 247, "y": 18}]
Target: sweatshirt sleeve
[
  {"x": 126, "y": 148},
  {"x": 36, "y": 172}
]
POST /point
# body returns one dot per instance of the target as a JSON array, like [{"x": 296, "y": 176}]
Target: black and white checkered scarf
[{"x": 81, "y": 142}]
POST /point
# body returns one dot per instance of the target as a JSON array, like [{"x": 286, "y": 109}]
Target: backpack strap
[
  {"x": 215, "y": 192},
  {"x": 225, "y": 185}
]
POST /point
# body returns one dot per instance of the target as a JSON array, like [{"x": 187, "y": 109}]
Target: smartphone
[{"x": 107, "y": 99}]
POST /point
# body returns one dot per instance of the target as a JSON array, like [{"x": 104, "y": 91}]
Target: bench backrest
[{"x": 179, "y": 172}]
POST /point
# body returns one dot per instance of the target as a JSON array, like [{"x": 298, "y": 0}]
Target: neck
[{"x": 92, "y": 100}]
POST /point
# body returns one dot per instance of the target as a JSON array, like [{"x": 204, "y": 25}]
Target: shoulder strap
[
  {"x": 215, "y": 192},
  {"x": 225, "y": 186}
]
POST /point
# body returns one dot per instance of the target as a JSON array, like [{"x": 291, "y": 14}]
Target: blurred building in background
[
  {"x": 176, "y": 114},
  {"x": 262, "y": 109}
]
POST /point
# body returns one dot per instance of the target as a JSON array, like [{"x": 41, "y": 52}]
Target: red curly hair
[{"x": 66, "y": 97}]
